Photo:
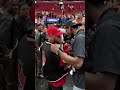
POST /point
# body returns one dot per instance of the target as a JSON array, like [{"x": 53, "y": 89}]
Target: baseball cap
[
  {"x": 54, "y": 31},
  {"x": 72, "y": 23},
  {"x": 68, "y": 23}
]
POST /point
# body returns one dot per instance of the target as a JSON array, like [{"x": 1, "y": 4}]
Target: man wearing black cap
[
  {"x": 105, "y": 46},
  {"x": 77, "y": 55},
  {"x": 68, "y": 38}
]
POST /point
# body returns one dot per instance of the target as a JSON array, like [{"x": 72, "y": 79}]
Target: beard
[
  {"x": 59, "y": 41},
  {"x": 56, "y": 41},
  {"x": 72, "y": 35}
]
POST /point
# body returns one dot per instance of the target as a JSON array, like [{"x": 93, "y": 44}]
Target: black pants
[
  {"x": 8, "y": 77},
  {"x": 50, "y": 87},
  {"x": 39, "y": 66},
  {"x": 2, "y": 79},
  {"x": 30, "y": 83},
  {"x": 118, "y": 84}
]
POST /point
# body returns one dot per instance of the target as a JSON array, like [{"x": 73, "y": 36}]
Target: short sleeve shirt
[
  {"x": 78, "y": 45},
  {"x": 78, "y": 50}
]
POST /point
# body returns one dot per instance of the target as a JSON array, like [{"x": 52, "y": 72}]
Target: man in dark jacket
[
  {"x": 105, "y": 46},
  {"x": 24, "y": 22},
  {"x": 8, "y": 39},
  {"x": 26, "y": 48}
]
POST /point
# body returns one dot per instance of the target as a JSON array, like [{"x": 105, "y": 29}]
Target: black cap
[
  {"x": 72, "y": 23},
  {"x": 68, "y": 23}
]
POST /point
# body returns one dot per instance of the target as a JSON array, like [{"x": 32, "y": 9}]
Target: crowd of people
[
  {"x": 55, "y": 68},
  {"x": 98, "y": 52},
  {"x": 42, "y": 16},
  {"x": 68, "y": 35},
  {"x": 53, "y": 45}
]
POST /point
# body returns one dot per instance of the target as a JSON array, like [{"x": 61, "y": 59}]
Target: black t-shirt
[
  {"x": 105, "y": 47},
  {"x": 52, "y": 70}
]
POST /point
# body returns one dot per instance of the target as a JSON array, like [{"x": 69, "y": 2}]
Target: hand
[
  {"x": 54, "y": 48},
  {"x": 67, "y": 48}
]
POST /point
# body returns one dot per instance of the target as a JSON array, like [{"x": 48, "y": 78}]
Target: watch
[{"x": 58, "y": 52}]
